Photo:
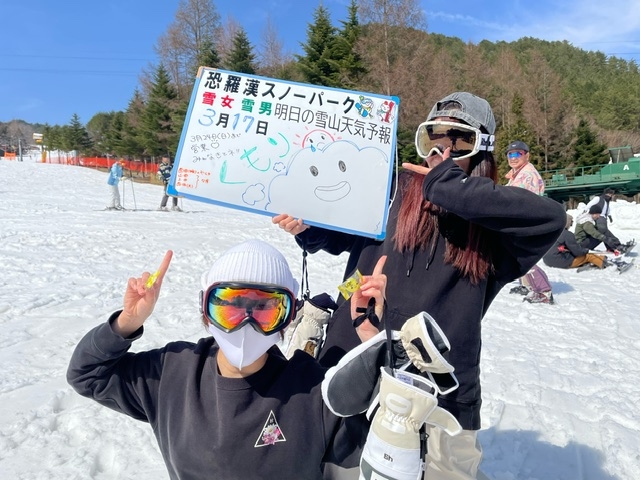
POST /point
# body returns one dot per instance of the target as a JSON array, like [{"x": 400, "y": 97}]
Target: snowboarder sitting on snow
[
  {"x": 590, "y": 233},
  {"x": 567, "y": 253},
  {"x": 231, "y": 405},
  {"x": 164, "y": 174}
]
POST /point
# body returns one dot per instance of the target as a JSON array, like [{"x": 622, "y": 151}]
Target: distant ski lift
[{"x": 620, "y": 154}]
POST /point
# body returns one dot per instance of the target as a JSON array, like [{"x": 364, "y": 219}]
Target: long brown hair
[{"x": 418, "y": 225}]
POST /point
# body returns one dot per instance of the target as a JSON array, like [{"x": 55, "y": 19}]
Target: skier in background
[
  {"x": 115, "y": 175},
  {"x": 164, "y": 174}
]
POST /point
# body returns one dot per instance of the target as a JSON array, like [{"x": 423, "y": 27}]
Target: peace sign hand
[
  {"x": 140, "y": 299},
  {"x": 372, "y": 286}
]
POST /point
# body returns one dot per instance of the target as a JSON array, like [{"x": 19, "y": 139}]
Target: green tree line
[{"x": 568, "y": 104}]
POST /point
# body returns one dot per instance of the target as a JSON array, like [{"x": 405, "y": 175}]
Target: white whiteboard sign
[{"x": 270, "y": 146}]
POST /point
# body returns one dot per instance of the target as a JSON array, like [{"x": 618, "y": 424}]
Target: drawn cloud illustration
[
  {"x": 254, "y": 194},
  {"x": 340, "y": 185}
]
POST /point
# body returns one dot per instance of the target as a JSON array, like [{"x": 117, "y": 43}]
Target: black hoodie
[
  {"x": 523, "y": 227},
  {"x": 272, "y": 424}
]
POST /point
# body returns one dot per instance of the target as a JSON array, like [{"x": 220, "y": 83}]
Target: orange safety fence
[
  {"x": 132, "y": 165},
  {"x": 140, "y": 167},
  {"x": 61, "y": 159}
]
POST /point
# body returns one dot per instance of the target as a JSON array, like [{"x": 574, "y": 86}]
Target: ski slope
[{"x": 561, "y": 383}]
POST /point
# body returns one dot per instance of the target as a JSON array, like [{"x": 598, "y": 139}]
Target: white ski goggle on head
[{"x": 464, "y": 140}]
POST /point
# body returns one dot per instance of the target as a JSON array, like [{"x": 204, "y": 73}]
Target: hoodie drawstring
[{"x": 411, "y": 257}]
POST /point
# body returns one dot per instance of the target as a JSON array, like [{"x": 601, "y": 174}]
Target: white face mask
[{"x": 244, "y": 346}]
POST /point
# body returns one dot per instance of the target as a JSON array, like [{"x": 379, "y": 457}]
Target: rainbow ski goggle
[
  {"x": 464, "y": 140},
  {"x": 231, "y": 305}
]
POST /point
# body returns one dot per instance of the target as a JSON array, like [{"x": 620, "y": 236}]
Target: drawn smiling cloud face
[
  {"x": 327, "y": 191},
  {"x": 340, "y": 185}
]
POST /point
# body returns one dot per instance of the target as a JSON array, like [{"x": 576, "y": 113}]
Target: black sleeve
[
  {"x": 572, "y": 245},
  {"x": 526, "y": 224},
  {"x": 314, "y": 239},
  {"x": 101, "y": 369}
]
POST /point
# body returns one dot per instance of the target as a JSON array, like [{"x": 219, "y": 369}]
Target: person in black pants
[
  {"x": 164, "y": 174},
  {"x": 454, "y": 239}
]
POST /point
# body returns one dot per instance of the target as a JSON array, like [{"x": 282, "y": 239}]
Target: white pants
[{"x": 115, "y": 196}]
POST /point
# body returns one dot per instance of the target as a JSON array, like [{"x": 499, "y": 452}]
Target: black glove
[{"x": 610, "y": 218}]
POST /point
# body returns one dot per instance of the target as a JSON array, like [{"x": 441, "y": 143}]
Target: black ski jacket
[
  {"x": 564, "y": 251},
  {"x": 523, "y": 226}
]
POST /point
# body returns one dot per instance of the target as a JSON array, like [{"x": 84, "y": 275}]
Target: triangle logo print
[{"x": 271, "y": 432}]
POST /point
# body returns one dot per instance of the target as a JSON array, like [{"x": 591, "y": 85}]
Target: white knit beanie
[{"x": 253, "y": 261}]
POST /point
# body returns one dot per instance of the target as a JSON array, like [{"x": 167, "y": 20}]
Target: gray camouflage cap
[{"x": 474, "y": 110}]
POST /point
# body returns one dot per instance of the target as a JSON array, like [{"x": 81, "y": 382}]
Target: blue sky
[{"x": 61, "y": 58}]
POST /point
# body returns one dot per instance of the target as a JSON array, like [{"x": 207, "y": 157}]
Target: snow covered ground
[{"x": 561, "y": 383}]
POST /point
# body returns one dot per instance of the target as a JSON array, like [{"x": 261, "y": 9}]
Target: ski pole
[
  {"x": 133, "y": 192},
  {"x": 124, "y": 190}
]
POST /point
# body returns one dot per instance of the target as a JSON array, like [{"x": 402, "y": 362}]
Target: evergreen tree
[
  {"x": 112, "y": 138},
  {"x": 317, "y": 65},
  {"x": 407, "y": 147},
  {"x": 98, "y": 128},
  {"x": 178, "y": 119},
  {"x": 65, "y": 141},
  {"x": 241, "y": 58},
  {"x": 208, "y": 55},
  {"x": 559, "y": 84},
  {"x": 130, "y": 139},
  {"x": 157, "y": 133},
  {"x": 76, "y": 136},
  {"x": 51, "y": 137},
  {"x": 587, "y": 149},
  {"x": 344, "y": 58}
]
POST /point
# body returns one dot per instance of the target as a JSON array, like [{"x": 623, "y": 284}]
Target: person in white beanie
[{"x": 231, "y": 405}]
